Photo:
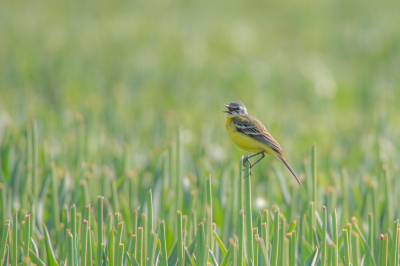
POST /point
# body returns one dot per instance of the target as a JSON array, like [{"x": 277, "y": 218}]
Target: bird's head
[{"x": 235, "y": 108}]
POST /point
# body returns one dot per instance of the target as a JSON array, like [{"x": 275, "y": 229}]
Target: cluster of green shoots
[{"x": 112, "y": 231}]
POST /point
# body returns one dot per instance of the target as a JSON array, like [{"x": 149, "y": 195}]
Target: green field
[{"x": 117, "y": 99}]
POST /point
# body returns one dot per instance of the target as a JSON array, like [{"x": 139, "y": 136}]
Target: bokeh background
[
  {"x": 128, "y": 96},
  {"x": 134, "y": 72},
  {"x": 311, "y": 71}
]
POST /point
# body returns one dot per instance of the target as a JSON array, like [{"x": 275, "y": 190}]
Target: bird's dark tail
[{"x": 286, "y": 164}]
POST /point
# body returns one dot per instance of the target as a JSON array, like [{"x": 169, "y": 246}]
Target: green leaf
[
  {"x": 188, "y": 259},
  {"x": 227, "y": 257},
  {"x": 127, "y": 258},
  {"x": 307, "y": 245},
  {"x": 220, "y": 243},
  {"x": 127, "y": 252},
  {"x": 35, "y": 259},
  {"x": 364, "y": 243},
  {"x": 340, "y": 241},
  {"x": 34, "y": 246},
  {"x": 214, "y": 261},
  {"x": 134, "y": 262},
  {"x": 192, "y": 246},
  {"x": 264, "y": 252},
  {"x": 193, "y": 260},
  {"x": 6, "y": 232},
  {"x": 316, "y": 236},
  {"x": 5, "y": 261},
  {"x": 312, "y": 259},
  {"x": 50, "y": 252},
  {"x": 105, "y": 260},
  {"x": 173, "y": 255}
]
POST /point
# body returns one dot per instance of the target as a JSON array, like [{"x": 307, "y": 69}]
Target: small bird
[{"x": 250, "y": 135}]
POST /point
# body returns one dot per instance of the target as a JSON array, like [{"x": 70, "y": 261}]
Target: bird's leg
[
  {"x": 262, "y": 157},
  {"x": 248, "y": 157},
  {"x": 255, "y": 155}
]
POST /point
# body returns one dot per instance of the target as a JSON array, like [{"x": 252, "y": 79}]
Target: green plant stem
[
  {"x": 180, "y": 239},
  {"x": 355, "y": 248},
  {"x": 384, "y": 250},
  {"x": 89, "y": 261},
  {"x": 120, "y": 254},
  {"x": 249, "y": 218},
  {"x": 255, "y": 246},
  {"x": 4, "y": 240},
  {"x": 292, "y": 248},
  {"x": 84, "y": 243},
  {"x": 240, "y": 191},
  {"x": 28, "y": 165},
  {"x": 56, "y": 207},
  {"x": 275, "y": 254},
  {"x": 335, "y": 237},
  {"x": 314, "y": 172},
  {"x": 323, "y": 250},
  {"x": 4, "y": 207},
  {"x": 134, "y": 231},
  {"x": 139, "y": 251},
  {"x": 120, "y": 230},
  {"x": 133, "y": 246},
  {"x": 35, "y": 156},
  {"x": 150, "y": 211},
  {"x": 346, "y": 247},
  {"x": 70, "y": 249},
  {"x": 145, "y": 236},
  {"x": 150, "y": 252},
  {"x": 179, "y": 172},
  {"x": 388, "y": 196},
  {"x": 348, "y": 226},
  {"x": 265, "y": 234},
  {"x": 73, "y": 231},
  {"x": 209, "y": 212},
  {"x": 163, "y": 244},
  {"x": 395, "y": 240},
  {"x": 241, "y": 238},
  {"x": 371, "y": 233},
  {"x": 99, "y": 219},
  {"x": 285, "y": 253},
  {"x": 313, "y": 223},
  {"x": 282, "y": 236},
  {"x": 14, "y": 256},
  {"x": 202, "y": 250},
  {"x": 27, "y": 234}
]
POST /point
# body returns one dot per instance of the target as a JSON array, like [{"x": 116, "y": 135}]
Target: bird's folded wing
[{"x": 254, "y": 129}]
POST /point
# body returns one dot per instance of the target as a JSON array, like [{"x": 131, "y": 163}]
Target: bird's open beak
[{"x": 229, "y": 111}]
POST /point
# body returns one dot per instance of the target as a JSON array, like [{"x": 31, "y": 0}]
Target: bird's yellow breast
[{"x": 243, "y": 141}]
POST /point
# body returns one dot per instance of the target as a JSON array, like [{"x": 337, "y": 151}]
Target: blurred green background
[
  {"x": 311, "y": 71},
  {"x": 111, "y": 83}
]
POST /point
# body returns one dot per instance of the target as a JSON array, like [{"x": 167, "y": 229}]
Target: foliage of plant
[{"x": 157, "y": 215}]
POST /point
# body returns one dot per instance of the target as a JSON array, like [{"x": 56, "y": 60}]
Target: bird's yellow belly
[{"x": 245, "y": 142}]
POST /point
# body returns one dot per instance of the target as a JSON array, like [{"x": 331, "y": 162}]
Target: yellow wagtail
[{"x": 250, "y": 135}]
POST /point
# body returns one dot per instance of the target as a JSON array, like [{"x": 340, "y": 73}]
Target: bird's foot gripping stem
[{"x": 248, "y": 160}]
